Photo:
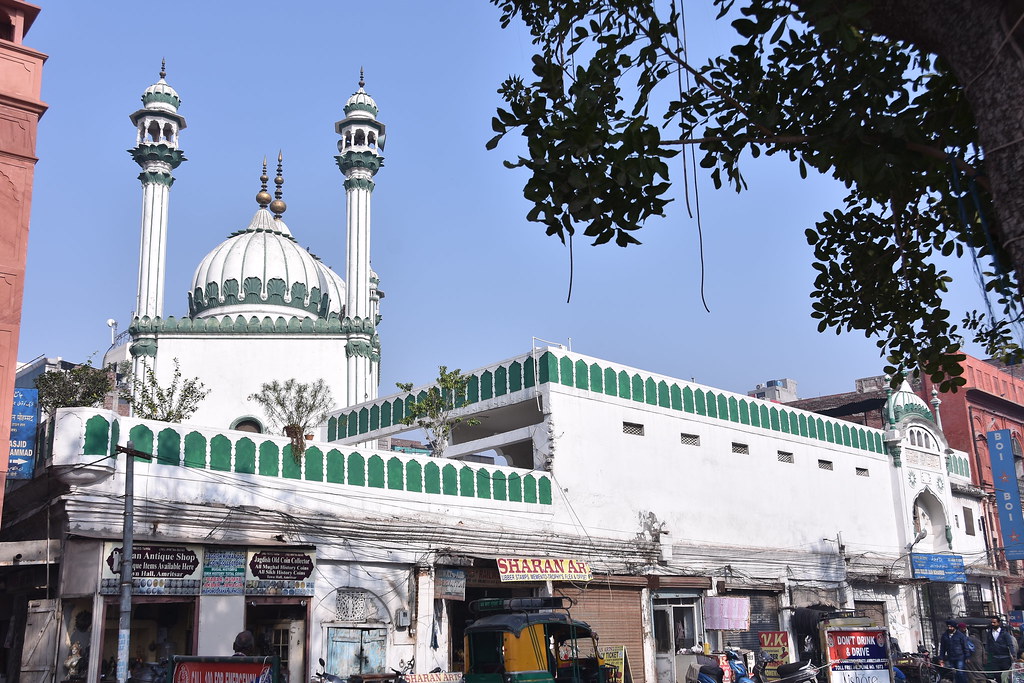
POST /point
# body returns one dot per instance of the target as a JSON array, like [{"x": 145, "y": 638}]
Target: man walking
[
  {"x": 1001, "y": 647},
  {"x": 953, "y": 647}
]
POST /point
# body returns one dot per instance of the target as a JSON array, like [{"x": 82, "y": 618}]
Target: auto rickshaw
[{"x": 531, "y": 640}]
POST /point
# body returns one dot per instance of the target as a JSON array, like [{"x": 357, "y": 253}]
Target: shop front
[{"x": 187, "y": 599}]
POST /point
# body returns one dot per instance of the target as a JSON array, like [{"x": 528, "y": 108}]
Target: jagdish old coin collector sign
[
  {"x": 543, "y": 569},
  {"x": 185, "y": 570}
]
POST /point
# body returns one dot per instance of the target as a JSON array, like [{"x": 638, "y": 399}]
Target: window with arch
[
  {"x": 248, "y": 424},
  {"x": 922, "y": 439}
]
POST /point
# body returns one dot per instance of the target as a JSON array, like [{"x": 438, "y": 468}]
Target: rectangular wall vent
[
  {"x": 632, "y": 428},
  {"x": 863, "y": 472},
  {"x": 740, "y": 448},
  {"x": 689, "y": 439},
  {"x": 786, "y": 457},
  {"x": 825, "y": 465}
]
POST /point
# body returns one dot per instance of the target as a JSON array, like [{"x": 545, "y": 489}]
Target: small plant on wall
[
  {"x": 434, "y": 413},
  {"x": 174, "y": 403},
  {"x": 296, "y": 408}
]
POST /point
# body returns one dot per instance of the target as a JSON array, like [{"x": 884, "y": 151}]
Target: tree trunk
[{"x": 973, "y": 37}]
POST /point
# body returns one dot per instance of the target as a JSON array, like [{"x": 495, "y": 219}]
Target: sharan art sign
[{"x": 543, "y": 569}]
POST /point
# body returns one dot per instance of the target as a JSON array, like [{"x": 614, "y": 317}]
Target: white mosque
[{"x": 261, "y": 307}]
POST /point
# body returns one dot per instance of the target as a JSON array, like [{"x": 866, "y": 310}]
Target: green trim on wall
[{"x": 293, "y": 325}]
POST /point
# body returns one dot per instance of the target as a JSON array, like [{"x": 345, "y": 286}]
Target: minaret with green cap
[
  {"x": 156, "y": 152},
  {"x": 360, "y": 157}
]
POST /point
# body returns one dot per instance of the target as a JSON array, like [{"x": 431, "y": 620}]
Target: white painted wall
[{"x": 234, "y": 366}]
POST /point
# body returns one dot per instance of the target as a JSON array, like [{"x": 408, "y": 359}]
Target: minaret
[
  {"x": 156, "y": 151},
  {"x": 360, "y": 147}
]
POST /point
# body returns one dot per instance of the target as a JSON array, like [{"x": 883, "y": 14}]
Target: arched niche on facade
[{"x": 930, "y": 517}]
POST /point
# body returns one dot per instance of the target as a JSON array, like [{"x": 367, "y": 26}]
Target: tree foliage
[
  {"x": 613, "y": 96},
  {"x": 434, "y": 413},
  {"x": 174, "y": 403},
  {"x": 295, "y": 407},
  {"x": 83, "y": 386}
]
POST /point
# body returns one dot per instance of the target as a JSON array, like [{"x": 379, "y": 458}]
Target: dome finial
[
  {"x": 263, "y": 197},
  {"x": 163, "y": 68},
  {"x": 361, "y": 81},
  {"x": 278, "y": 206}
]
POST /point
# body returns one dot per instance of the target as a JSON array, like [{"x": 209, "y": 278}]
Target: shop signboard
[
  {"x": 273, "y": 571},
  {"x": 543, "y": 569},
  {"x": 24, "y": 418},
  {"x": 224, "y": 571},
  {"x": 858, "y": 655},
  {"x": 938, "y": 567},
  {"x": 775, "y": 650},
  {"x": 450, "y": 584},
  {"x": 1004, "y": 477},
  {"x": 436, "y": 677},
  {"x": 225, "y": 670},
  {"x": 615, "y": 656},
  {"x": 156, "y": 569},
  {"x": 1015, "y": 617}
]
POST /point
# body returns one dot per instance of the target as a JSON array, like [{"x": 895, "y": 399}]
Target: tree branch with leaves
[
  {"x": 149, "y": 400},
  {"x": 296, "y": 408},
  {"x": 434, "y": 411},
  {"x": 912, "y": 105}
]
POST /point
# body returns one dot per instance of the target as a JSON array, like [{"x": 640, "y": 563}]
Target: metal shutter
[
  {"x": 764, "y": 616},
  {"x": 615, "y": 612}
]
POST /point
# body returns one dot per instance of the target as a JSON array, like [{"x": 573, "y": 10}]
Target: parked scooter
[
  {"x": 738, "y": 666},
  {"x": 710, "y": 673}
]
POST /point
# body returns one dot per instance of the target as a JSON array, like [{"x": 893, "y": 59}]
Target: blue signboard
[
  {"x": 948, "y": 568},
  {"x": 1004, "y": 475},
  {"x": 23, "y": 434}
]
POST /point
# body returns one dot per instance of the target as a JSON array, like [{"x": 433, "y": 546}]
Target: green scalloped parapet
[
  {"x": 368, "y": 160},
  {"x": 360, "y": 106},
  {"x": 550, "y": 368},
  {"x": 166, "y": 98},
  {"x": 237, "y": 325},
  {"x": 150, "y": 151},
  {"x": 267, "y": 456}
]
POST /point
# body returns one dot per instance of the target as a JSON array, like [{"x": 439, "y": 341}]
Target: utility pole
[{"x": 124, "y": 624}]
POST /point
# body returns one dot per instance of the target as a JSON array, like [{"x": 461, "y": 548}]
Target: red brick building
[
  {"x": 992, "y": 399},
  {"x": 21, "y": 71}
]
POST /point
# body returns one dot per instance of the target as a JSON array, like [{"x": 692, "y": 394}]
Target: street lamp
[{"x": 124, "y": 625}]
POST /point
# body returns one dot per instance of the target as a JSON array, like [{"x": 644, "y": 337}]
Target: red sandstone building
[
  {"x": 21, "y": 70},
  {"x": 992, "y": 399}
]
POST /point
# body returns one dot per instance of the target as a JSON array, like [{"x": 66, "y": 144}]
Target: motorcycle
[
  {"x": 323, "y": 677},
  {"x": 798, "y": 672}
]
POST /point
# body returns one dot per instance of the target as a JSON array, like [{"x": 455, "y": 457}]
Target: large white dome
[{"x": 262, "y": 271}]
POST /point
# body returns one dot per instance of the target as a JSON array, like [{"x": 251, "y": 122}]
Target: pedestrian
[
  {"x": 1001, "y": 648},
  {"x": 953, "y": 651},
  {"x": 244, "y": 645},
  {"x": 975, "y": 663}
]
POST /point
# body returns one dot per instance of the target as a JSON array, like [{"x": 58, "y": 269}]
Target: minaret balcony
[{"x": 157, "y": 152}]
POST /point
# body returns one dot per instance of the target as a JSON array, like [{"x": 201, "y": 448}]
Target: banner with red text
[{"x": 543, "y": 569}]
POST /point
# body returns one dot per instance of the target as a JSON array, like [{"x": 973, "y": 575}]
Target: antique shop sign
[{"x": 156, "y": 569}]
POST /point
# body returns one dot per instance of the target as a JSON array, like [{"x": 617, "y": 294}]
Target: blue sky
[{"x": 468, "y": 280}]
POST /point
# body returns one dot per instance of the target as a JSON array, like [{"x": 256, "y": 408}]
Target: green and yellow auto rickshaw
[{"x": 531, "y": 640}]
